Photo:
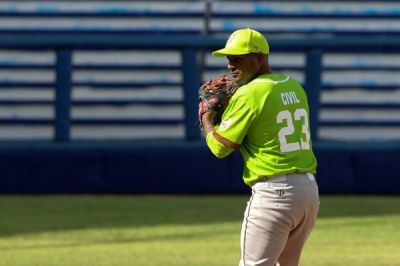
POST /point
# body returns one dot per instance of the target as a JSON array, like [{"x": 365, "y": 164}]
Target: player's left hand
[{"x": 214, "y": 96}]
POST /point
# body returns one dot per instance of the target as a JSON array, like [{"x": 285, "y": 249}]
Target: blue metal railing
[
  {"x": 210, "y": 12},
  {"x": 188, "y": 45}
]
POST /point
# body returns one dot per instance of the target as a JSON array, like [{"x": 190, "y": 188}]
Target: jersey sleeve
[
  {"x": 236, "y": 120},
  {"x": 216, "y": 147}
]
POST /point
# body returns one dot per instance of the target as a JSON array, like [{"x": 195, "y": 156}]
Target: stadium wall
[
  {"x": 177, "y": 168},
  {"x": 65, "y": 166},
  {"x": 346, "y": 54}
]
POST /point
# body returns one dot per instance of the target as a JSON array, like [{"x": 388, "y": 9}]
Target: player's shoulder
[
  {"x": 244, "y": 93},
  {"x": 263, "y": 83},
  {"x": 272, "y": 80}
]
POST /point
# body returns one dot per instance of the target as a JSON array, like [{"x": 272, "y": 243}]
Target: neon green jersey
[{"x": 269, "y": 118}]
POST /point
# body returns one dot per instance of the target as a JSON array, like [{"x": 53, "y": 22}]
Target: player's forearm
[{"x": 207, "y": 121}]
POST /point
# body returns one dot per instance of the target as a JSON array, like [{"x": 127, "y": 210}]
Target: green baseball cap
[{"x": 244, "y": 41}]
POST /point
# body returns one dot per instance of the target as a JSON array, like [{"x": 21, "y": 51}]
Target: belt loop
[{"x": 310, "y": 176}]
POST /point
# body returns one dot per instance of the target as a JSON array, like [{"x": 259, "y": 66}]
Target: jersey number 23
[{"x": 285, "y": 117}]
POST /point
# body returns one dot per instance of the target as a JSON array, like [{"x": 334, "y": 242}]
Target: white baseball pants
[{"x": 278, "y": 219}]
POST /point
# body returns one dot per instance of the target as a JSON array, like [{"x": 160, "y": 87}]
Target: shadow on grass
[
  {"x": 359, "y": 205},
  {"x": 35, "y": 214},
  {"x": 132, "y": 238}
]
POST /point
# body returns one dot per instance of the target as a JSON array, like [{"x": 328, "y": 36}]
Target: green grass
[{"x": 182, "y": 230}]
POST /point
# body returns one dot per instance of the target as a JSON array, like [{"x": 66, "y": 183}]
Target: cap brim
[{"x": 228, "y": 51}]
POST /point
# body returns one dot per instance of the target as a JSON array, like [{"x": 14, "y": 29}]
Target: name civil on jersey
[{"x": 289, "y": 98}]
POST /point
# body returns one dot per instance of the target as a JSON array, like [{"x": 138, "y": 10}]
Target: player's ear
[{"x": 262, "y": 59}]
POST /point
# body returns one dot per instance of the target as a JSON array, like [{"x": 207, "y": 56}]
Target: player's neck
[{"x": 263, "y": 71}]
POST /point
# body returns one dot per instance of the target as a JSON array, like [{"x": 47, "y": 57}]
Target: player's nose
[{"x": 230, "y": 67}]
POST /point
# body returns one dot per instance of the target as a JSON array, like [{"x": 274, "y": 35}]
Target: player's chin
[
  {"x": 239, "y": 80},
  {"x": 236, "y": 77}
]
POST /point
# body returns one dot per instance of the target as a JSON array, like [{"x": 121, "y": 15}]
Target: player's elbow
[
  {"x": 220, "y": 154},
  {"x": 219, "y": 149}
]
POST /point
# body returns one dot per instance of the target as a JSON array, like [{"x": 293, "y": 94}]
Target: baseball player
[{"x": 267, "y": 119}]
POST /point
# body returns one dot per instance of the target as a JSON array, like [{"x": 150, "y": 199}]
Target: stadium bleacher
[
  {"x": 138, "y": 94},
  {"x": 79, "y": 78}
]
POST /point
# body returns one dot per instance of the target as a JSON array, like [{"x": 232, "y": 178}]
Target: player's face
[{"x": 243, "y": 68}]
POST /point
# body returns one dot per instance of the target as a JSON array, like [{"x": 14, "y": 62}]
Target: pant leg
[
  {"x": 265, "y": 227},
  {"x": 275, "y": 220},
  {"x": 305, "y": 222}
]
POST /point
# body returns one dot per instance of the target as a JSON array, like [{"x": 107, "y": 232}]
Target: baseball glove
[{"x": 214, "y": 96}]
